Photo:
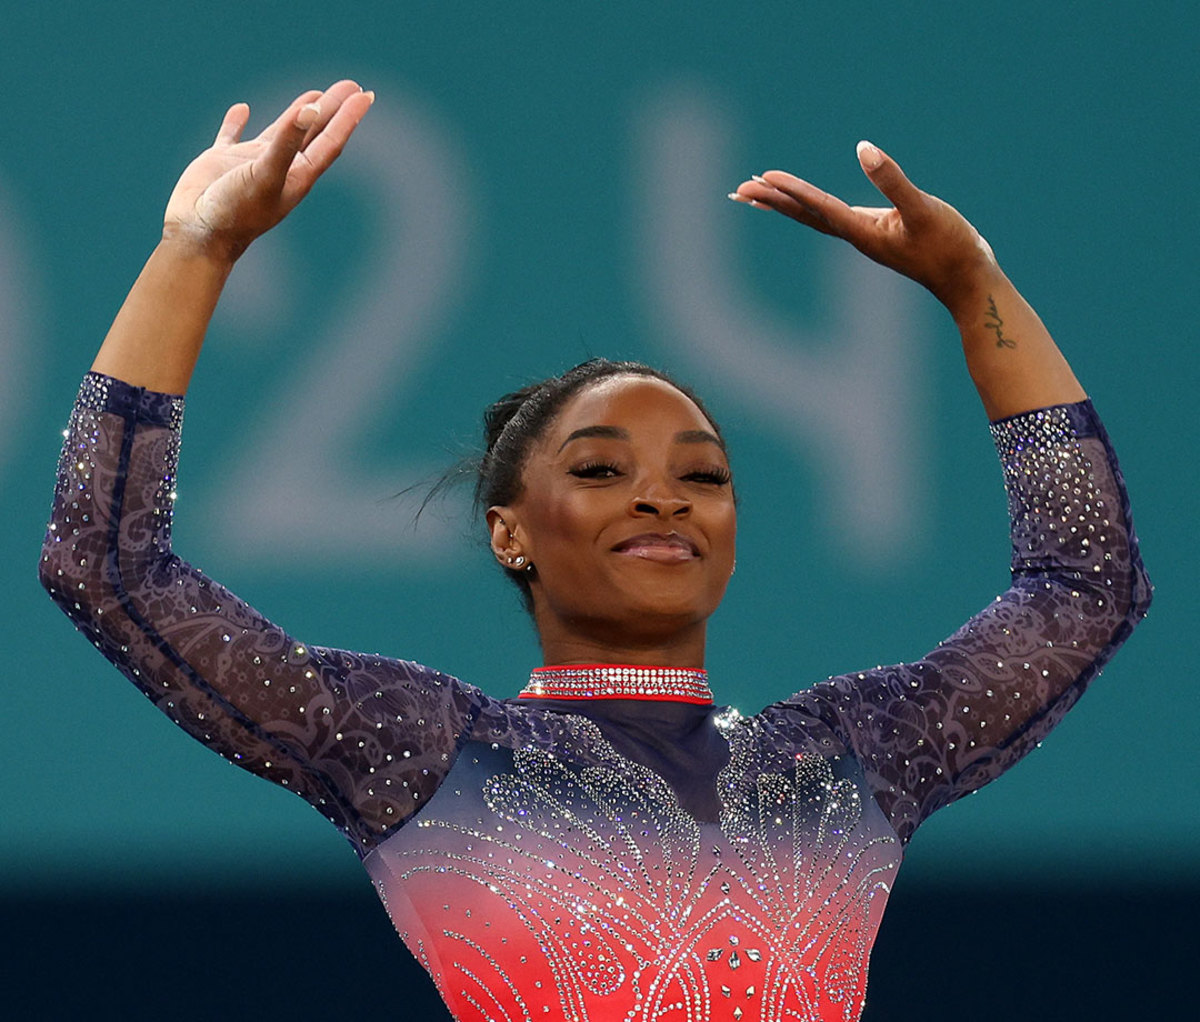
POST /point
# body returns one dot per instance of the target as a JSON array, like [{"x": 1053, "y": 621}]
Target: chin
[
  {"x": 666, "y": 605},
  {"x": 650, "y": 604}
]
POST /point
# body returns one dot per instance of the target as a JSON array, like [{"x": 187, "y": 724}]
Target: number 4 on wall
[{"x": 845, "y": 397}]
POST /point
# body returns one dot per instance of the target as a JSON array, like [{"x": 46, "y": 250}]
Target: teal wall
[{"x": 539, "y": 183}]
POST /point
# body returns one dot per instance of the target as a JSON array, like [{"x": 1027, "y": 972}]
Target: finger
[
  {"x": 331, "y": 101},
  {"x": 806, "y": 203},
  {"x": 745, "y": 200},
  {"x": 885, "y": 174},
  {"x": 760, "y": 195},
  {"x": 288, "y": 134},
  {"x": 233, "y": 124},
  {"x": 286, "y": 120},
  {"x": 327, "y": 145}
]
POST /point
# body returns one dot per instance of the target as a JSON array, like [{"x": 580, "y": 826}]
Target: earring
[{"x": 519, "y": 561}]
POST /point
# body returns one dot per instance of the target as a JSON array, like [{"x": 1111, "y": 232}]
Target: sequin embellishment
[
  {"x": 618, "y": 681},
  {"x": 598, "y": 897},
  {"x": 535, "y": 871}
]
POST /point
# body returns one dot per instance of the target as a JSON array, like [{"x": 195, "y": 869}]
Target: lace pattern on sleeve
[
  {"x": 930, "y": 732},
  {"x": 363, "y": 738}
]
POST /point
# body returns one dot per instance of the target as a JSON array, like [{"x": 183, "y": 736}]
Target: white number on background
[
  {"x": 846, "y": 397},
  {"x": 297, "y": 489}
]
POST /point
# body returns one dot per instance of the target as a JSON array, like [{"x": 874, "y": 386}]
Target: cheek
[
  {"x": 560, "y": 522},
  {"x": 724, "y": 528}
]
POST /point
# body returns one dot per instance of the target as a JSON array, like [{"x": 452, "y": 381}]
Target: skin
[
  {"x": 232, "y": 193},
  {"x": 632, "y": 535},
  {"x": 592, "y": 602},
  {"x": 929, "y": 241}
]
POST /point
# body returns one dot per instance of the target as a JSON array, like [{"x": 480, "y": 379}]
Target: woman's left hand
[{"x": 920, "y": 236}]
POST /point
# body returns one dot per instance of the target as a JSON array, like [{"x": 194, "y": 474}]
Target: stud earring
[{"x": 519, "y": 561}]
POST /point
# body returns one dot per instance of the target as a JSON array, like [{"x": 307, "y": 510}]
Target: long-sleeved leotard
[{"x": 608, "y": 859}]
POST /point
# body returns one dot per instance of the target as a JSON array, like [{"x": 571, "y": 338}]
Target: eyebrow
[{"x": 687, "y": 436}]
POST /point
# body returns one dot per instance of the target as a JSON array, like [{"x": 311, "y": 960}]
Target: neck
[
  {"x": 682, "y": 649},
  {"x": 645, "y": 639}
]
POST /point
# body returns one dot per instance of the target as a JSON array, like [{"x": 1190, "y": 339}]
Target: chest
[{"x": 544, "y": 882}]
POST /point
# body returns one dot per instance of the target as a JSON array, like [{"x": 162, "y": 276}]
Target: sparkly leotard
[{"x": 609, "y": 858}]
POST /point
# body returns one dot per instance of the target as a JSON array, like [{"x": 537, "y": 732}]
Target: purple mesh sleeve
[
  {"x": 363, "y": 738},
  {"x": 932, "y": 731}
]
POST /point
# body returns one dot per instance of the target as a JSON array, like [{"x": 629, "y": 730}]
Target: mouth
[{"x": 665, "y": 548}]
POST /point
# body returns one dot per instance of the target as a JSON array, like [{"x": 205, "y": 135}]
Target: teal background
[{"x": 539, "y": 183}]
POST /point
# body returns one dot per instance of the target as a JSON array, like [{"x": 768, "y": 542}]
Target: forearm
[
  {"x": 156, "y": 337},
  {"x": 1011, "y": 356},
  {"x": 931, "y": 731},
  {"x": 228, "y": 676}
]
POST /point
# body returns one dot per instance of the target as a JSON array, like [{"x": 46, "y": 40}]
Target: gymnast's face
[{"x": 627, "y": 514}]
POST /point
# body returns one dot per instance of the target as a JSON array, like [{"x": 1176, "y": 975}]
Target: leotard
[{"x": 608, "y": 858}]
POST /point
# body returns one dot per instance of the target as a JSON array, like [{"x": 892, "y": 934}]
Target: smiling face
[{"x": 627, "y": 514}]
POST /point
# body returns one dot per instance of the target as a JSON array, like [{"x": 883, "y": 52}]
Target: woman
[{"x": 610, "y": 845}]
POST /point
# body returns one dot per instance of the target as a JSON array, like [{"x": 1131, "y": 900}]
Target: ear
[{"x": 502, "y": 525}]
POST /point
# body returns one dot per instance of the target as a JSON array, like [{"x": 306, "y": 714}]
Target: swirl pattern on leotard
[
  {"x": 366, "y": 739},
  {"x": 536, "y": 860},
  {"x": 932, "y": 731},
  {"x": 560, "y": 879}
]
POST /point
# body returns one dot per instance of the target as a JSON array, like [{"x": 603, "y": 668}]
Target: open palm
[
  {"x": 236, "y": 190},
  {"x": 920, "y": 235}
]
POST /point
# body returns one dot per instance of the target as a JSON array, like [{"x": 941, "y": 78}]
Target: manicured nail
[
  {"x": 868, "y": 155},
  {"x": 735, "y": 197},
  {"x": 761, "y": 181},
  {"x": 308, "y": 115},
  {"x": 371, "y": 94}
]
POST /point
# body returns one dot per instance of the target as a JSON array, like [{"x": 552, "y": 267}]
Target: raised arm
[
  {"x": 365, "y": 739},
  {"x": 931, "y": 731},
  {"x": 1010, "y": 354}
]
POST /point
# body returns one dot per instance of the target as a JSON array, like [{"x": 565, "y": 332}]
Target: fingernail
[
  {"x": 735, "y": 197},
  {"x": 308, "y": 115},
  {"x": 372, "y": 95},
  {"x": 868, "y": 155},
  {"x": 761, "y": 181}
]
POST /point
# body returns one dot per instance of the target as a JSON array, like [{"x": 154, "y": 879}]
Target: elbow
[
  {"x": 51, "y": 573},
  {"x": 1141, "y": 592},
  {"x": 71, "y": 570}
]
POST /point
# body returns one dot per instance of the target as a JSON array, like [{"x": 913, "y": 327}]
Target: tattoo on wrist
[{"x": 994, "y": 323}]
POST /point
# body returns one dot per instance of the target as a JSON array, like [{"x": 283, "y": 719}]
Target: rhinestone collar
[{"x": 618, "y": 681}]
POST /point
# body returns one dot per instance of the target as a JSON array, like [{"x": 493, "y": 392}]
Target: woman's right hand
[
  {"x": 228, "y": 196},
  {"x": 236, "y": 190}
]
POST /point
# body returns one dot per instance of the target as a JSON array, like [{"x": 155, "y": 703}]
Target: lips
[{"x": 666, "y": 548}]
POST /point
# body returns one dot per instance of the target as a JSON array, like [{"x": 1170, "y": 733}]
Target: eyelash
[
  {"x": 715, "y": 476},
  {"x": 593, "y": 470}
]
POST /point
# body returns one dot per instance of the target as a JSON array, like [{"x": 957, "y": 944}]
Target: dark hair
[{"x": 514, "y": 423}]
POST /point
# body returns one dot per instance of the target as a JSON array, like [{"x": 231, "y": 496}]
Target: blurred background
[{"x": 538, "y": 184}]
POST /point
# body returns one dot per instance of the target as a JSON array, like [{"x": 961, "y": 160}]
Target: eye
[
  {"x": 595, "y": 470},
  {"x": 714, "y": 476}
]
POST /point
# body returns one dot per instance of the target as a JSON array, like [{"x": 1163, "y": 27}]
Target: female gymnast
[{"x": 608, "y": 845}]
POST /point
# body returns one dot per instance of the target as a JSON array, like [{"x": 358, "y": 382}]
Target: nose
[{"x": 659, "y": 503}]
